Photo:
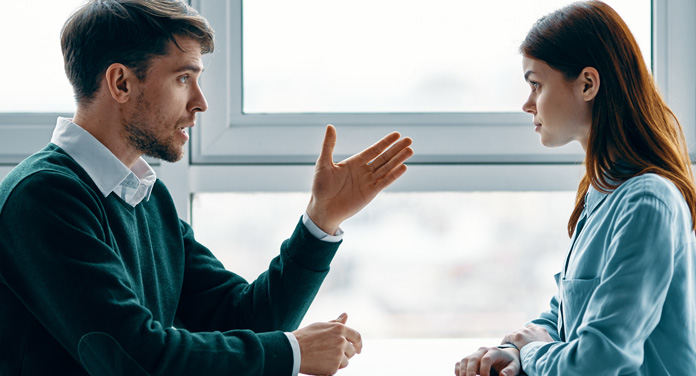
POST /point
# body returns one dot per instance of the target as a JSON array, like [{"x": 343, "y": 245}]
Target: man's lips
[
  {"x": 182, "y": 130},
  {"x": 187, "y": 124}
]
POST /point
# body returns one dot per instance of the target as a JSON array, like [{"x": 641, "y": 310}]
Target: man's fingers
[
  {"x": 349, "y": 350},
  {"x": 326, "y": 155},
  {"x": 353, "y": 336},
  {"x": 327, "y": 346},
  {"x": 394, "y": 174},
  {"x": 390, "y": 165},
  {"x": 342, "y": 318},
  {"x": 344, "y": 362},
  {"x": 393, "y": 162},
  {"x": 378, "y": 148},
  {"x": 398, "y": 149}
]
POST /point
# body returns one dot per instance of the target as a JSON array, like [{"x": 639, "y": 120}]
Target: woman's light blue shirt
[{"x": 626, "y": 302}]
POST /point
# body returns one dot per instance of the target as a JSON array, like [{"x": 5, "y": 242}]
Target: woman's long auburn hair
[{"x": 630, "y": 120}]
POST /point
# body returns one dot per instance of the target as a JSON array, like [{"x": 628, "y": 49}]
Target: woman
[{"x": 626, "y": 302}]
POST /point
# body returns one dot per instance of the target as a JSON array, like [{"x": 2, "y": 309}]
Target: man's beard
[{"x": 144, "y": 139}]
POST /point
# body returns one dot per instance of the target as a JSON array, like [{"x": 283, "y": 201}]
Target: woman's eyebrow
[{"x": 526, "y": 75}]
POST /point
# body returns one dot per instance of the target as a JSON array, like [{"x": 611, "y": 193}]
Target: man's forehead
[{"x": 184, "y": 55}]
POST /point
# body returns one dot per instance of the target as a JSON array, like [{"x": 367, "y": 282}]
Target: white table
[{"x": 412, "y": 357}]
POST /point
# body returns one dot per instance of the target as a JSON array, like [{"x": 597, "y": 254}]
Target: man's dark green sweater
[{"x": 90, "y": 284}]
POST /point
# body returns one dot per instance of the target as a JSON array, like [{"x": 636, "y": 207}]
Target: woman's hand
[
  {"x": 505, "y": 361},
  {"x": 531, "y": 333}
]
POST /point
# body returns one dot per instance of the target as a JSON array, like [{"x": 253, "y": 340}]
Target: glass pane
[
  {"x": 395, "y": 55},
  {"x": 412, "y": 265},
  {"x": 33, "y": 69}
]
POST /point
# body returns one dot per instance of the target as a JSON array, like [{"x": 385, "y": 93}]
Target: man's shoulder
[
  {"x": 49, "y": 166},
  {"x": 49, "y": 159}
]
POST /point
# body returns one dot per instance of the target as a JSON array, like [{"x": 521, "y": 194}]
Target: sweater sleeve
[
  {"x": 216, "y": 299},
  {"x": 55, "y": 258}
]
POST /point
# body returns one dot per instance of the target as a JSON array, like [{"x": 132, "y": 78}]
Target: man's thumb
[
  {"x": 326, "y": 155},
  {"x": 342, "y": 318}
]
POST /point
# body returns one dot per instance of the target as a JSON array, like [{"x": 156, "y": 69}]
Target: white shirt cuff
[
  {"x": 319, "y": 233},
  {"x": 295, "y": 352}
]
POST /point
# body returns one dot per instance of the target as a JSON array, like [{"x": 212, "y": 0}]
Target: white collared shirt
[{"x": 102, "y": 166}]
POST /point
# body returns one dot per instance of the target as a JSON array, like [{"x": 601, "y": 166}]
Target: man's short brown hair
[{"x": 130, "y": 32}]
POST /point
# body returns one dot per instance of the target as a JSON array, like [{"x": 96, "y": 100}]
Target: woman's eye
[{"x": 535, "y": 85}]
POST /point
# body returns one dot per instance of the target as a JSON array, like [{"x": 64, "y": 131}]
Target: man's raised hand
[{"x": 340, "y": 190}]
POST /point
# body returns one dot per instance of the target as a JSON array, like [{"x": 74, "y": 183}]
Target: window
[
  {"x": 370, "y": 68},
  {"x": 436, "y": 264},
  {"x": 389, "y": 56},
  {"x": 34, "y": 71},
  {"x": 421, "y": 270},
  {"x": 36, "y": 89},
  {"x": 230, "y": 132}
]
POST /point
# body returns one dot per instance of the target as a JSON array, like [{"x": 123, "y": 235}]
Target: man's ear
[
  {"x": 120, "y": 81},
  {"x": 589, "y": 80}
]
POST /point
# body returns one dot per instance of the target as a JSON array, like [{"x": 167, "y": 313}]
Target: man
[{"x": 97, "y": 273}]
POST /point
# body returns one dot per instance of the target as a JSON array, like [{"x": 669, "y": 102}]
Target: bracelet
[{"x": 508, "y": 345}]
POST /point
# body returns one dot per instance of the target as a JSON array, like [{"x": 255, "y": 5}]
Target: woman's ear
[
  {"x": 119, "y": 81},
  {"x": 589, "y": 79}
]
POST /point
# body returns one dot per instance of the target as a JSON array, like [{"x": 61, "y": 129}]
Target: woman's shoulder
[
  {"x": 649, "y": 182},
  {"x": 651, "y": 186}
]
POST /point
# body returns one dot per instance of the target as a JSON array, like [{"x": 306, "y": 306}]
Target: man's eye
[{"x": 183, "y": 79}]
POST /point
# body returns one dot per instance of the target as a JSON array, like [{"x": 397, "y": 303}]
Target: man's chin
[
  {"x": 175, "y": 158},
  {"x": 169, "y": 156}
]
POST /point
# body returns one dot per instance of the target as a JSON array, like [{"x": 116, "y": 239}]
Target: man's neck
[{"x": 106, "y": 128}]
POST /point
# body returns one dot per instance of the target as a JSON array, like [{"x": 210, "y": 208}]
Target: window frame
[{"x": 25, "y": 133}]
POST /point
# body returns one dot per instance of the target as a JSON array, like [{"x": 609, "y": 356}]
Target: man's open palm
[{"x": 342, "y": 189}]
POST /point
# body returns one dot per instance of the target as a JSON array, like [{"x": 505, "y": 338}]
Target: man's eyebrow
[
  {"x": 190, "y": 68},
  {"x": 526, "y": 75}
]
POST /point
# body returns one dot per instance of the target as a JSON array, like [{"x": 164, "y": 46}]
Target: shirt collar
[
  {"x": 103, "y": 167},
  {"x": 593, "y": 199}
]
